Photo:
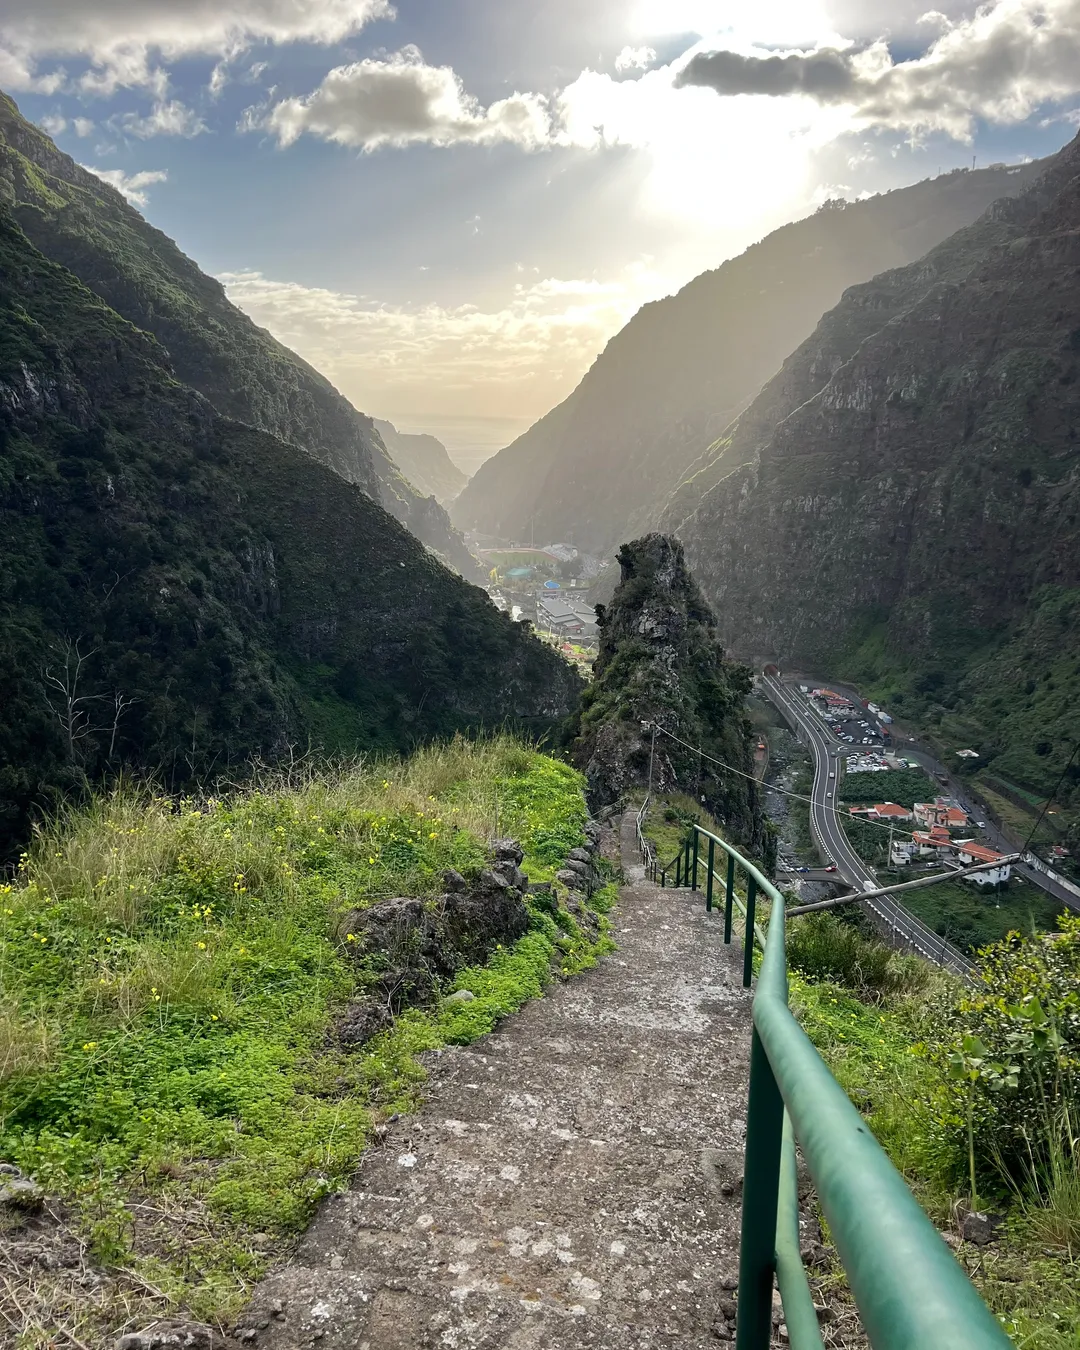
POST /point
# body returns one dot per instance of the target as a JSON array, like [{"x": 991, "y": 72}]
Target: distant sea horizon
[{"x": 469, "y": 440}]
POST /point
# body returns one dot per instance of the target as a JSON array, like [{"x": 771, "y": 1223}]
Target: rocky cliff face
[
  {"x": 660, "y": 662},
  {"x": 83, "y": 223},
  {"x": 180, "y": 591},
  {"x": 908, "y": 502},
  {"x": 424, "y": 461},
  {"x": 599, "y": 467}
]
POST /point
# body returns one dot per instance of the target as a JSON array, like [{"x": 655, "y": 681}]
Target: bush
[
  {"x": 823, "y": 947},
  {"x": 1010, "y": 1047}
]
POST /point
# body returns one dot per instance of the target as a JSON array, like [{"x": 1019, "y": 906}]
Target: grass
[
  {"x": 667, "y": 822},
  {"x": 885, "y": 1047},
  {"x": 169, "y": 974}
]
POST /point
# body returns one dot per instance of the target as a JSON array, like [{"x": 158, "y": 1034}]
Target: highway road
[{"x": 829, "y": 832}]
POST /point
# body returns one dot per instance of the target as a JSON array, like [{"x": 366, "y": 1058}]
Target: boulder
[
  {"x": 362, "y": 1019},
  {"x": 21, "y": 1193},
  {"x": 573, "y": 880}
]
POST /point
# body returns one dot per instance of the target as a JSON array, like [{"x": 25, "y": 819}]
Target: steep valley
[
  {"x": 597, "y": 469},
  {"x": 901, "y": 503}
]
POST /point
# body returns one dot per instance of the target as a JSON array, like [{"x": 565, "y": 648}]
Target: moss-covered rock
[{"x": 660, "y": 662}]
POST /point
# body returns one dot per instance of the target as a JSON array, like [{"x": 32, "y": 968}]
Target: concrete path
[{"x": 572, "y": 1179}]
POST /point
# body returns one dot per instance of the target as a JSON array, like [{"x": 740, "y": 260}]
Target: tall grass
[{"x": 823, "y": 947}]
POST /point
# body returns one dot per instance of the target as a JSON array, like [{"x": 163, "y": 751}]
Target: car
[
  {"x": 831, "y": 867},
  {"x": 832, "y": 775},
  {"x": 828, "y": 794}
]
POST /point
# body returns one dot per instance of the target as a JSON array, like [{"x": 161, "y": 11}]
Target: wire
[
  {"x": 1046, "y": 804},
  {"x": 785, "y": 792}
]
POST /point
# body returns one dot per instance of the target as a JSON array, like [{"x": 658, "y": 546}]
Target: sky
[{"x": 449, "y": 206}]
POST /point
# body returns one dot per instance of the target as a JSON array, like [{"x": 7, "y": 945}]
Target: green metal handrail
[{"x": 910, "y": 1291}]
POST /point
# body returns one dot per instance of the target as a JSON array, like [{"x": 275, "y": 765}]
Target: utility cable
[
  {"x": 1046, "y": 804},
  {"x": 785, "y": 792}
]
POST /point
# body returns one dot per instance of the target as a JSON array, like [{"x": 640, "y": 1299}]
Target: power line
[
  {"x": 1046, "y": 804},
  {"x": 785, "y": 792}
]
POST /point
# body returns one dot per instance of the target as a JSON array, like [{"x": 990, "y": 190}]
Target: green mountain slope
[
  {"x": 599, "y": 467},
  {"x": 83, "y": 223},
  {"x": 424, "y": 461},
  {"x": 180, "y": 591},
  {"x": 907, "y": 510}
]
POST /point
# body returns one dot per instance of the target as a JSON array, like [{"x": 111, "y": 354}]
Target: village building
[
  {"x": 934, "y": 843},
  {"x": 997, "y": 870},
  {"x": 940, "y": 812},
  {"x": 887, "y": 811}
]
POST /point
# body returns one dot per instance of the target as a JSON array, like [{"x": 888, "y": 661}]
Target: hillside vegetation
[
  {"x": 83, "y": 223},
  {"x": 180, "y": 592},
  {"x": 901, "y": 504},
  {"x": 180, "y": 1064},
  {"x": 598, "y": 468},
  {"x": 972, "y": 1091}
]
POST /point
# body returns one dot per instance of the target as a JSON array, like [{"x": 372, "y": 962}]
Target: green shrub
[{"x": 823, "y": 947}]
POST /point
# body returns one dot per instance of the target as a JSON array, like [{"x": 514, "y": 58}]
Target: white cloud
[
  {"x": 635, "y": 58},
  {"x": 54, "y": 124},
  {"x": 519, "y": 359},
  {"x": 168, "y": 117},
  {"x": 133, "y": 186},
  {"x": 126, "y": 40},
  {"x": 83, "y": 126},
  {"x": 401, "y": 101}
]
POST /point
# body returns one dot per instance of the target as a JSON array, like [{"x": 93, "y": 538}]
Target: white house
[{"x": 996, "y": 871}]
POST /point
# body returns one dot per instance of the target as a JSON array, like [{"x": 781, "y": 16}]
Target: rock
[
  {"x": 454, "y": 881},
  {"x": 573, "y": 864},
  {"x": 980, "y": 1228},
  {"x": 461, "y": 996},
  {"x": 10, "y": 1170},
  {"x": 423, "y": 943},
  {"x": 507, "y": 850},
  {"x": 581, "y": 855},
  {"x": 175, "y": 1336},
  {"x": 728, "y": 1307},
  {"x": 362, "y": 1019},
  {"x": 594, "y": 830},
  {"x": 730, "y": 1282},
  {"x": 721, "y": 1331},
  {"x": 573, "y": 880},
  {"x": 19, "y": 1192},
  {"x": 951, "y": 1239}
]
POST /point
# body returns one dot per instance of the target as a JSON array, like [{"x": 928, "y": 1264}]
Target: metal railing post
[
  {"x": 693, "y": 885},
  {"x": 663, "y": 876},
  {"x": 748, "y": 940},
  {"x": 761, "y": 1183},
  {"x": 729, "y": 900},
  {"x": 709, "y": 878},
  {"x": 678, "y": 869}
]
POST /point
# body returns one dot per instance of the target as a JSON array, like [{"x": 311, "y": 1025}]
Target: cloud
[
  {"x": 126, "y": 40},
  {"x": 54, "y": 124},
  {"x": 167, "y": 118},
  {"x": 401, "y": 101},
  {"x": 83, "y": 126},
  {"x": 827, "y": 75},
  {"x": 1000, "y": 64},
  {"x": 529, "y": 353},
  {"x": 635, "y": 58},
  {"x": 131, "y": 185}
]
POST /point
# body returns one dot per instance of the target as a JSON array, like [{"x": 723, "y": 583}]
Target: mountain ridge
[
  {"x": 180, "y": 591},
  {"x": 598, "y": 468},
  {"x": 83, "y": 222},
  {"x": 424, "y": 461},
  {"x": 901, "y": 503}
]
